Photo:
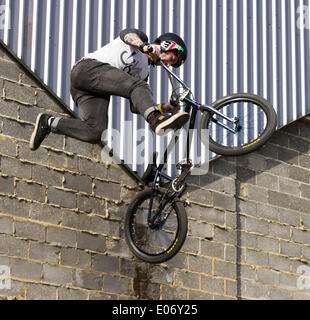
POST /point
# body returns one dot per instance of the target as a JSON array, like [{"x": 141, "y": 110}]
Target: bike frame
[{"x": 191, "y": 107}]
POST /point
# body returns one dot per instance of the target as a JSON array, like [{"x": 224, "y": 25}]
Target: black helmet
[{"x": 171, "y": 41}]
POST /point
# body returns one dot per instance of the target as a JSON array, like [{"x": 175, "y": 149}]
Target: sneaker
[
  {"x": 162, "y": 122},
  {"x": 40, "y": 132}
]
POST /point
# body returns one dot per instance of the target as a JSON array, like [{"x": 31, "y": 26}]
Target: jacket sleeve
[{"x": 139, "y": 33}]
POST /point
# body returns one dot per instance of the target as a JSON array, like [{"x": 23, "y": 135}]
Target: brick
[
  {"x": 268, "y": 181},
  {"x": 257, "y": 258},
  {"x": 46, "y": 101},
  {"x": 225, "y": 269},
  {"x": 212, "y": 182},
  {"x": 304, "y": 161},
  {"x": 268, "y": 276},
  {"x": 107, "y": 190},
  {"x": 288, "y": 281},
  {"x": 116, "y": 285},
  {"x": 228, "y": 236},
  {"x": 257, "y": 226},
  {"x": 29, "y": 230},
  {"x": 62, "y": 161},
  {"x": 87, "y": 280},
  {"x": 93, "y": 295},
  {"x": 75, "y": 258},
  {"x": 78, "y": 147},
  {"x": 40, "y": 292},
  {"x": 14, "y": 206},
  {"x": 267, "y": 244},
  {"x": 30, "y": 190},
  {"x": 76, "y": 220},
  {"x": 305, "y": 191},
  {"x": 201, "y": 230},
  {"x": 78, "y": 182},
  {"x": 299, "y": 144},
  {"x": 279, "y": 231},
  {"x": 299, "y": 174},
  {"x": 290, "y": 249},
  {"x": 71, "y": 294},
  {"x": 61, "y": 236},
  {"x": 195, "y": 194},
  {"x": 288, "y": 156},
  {"x": 278, "y": 199},
  {"x": 18, "y": 130},
  {"x": 8, "y": 146},
  {"x": 212, "y": 249},
  {"x": 117, "y": 174},
  {"x": 200, "y": 264},
  {"x": 44, "y": 252},
  {"x": 105, "y": 226},
  {"x": 172, "y": 293},
  {"x": 213, "y": 285},
  {"x": 224, "y": 168},
  {"x": 280, "y": 294},
  {"x": 8, "y": 108},
  {"x": 187, "y": 279},
  {"x": 6, "y": 225},
  {"x": 253, "y": 162},
  {"x": 47, "y": 176},
  {"x": 278, "y": 168},
  {"x": 15, "y": 168},
  {"x": 6, "y": 185},
  {"x": 279, "y": 263},
  {"x": 280, "y": 138},
  {"x": 46, "y": 213},
  {"x": 255, "y": 291},
  {"x": 298, "y": 204},
  {"x": 157, "y": 273},
  {"x": 26, "y": 269},
  {"x": 224, "y": 201},
  {"x": 40, "y": 156},
  {"x": 246, "y": 175},
  {"x": 20, "y": 93},
  {"x": 9, "y": 70},
  {"x": 300, "y": 236},
  {"x": 57, "y": 275},
  {"x": 90, "y": 204},
  {"x": 92, "y": 242},
  {"x": 91, "y": 168},
  {"x": 258, "y": 194},
  {"x": 62, "y": 198},
  {"x": 267, "y": 212},
  {"x": 107, "y": 264},
  {"x": 290, "y": 217}
]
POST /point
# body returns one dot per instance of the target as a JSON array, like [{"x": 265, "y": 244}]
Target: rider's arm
[{"x": 134, "y": 37}]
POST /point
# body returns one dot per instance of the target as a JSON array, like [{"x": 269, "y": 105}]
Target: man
[{"x": 120, "y": 68}]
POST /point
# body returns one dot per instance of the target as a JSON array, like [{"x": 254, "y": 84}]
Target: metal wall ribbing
[{"x": 235, "y": 46}]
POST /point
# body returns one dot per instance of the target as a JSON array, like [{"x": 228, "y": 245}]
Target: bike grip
[
  {"x": 173, "y": 103},
  {"x": 149, "y": 48}
]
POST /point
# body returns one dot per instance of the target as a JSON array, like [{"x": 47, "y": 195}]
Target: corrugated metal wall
[{"x": 235, "y": 46}]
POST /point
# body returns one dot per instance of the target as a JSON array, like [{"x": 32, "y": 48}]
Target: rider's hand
[
  {"x": 169, "y": 108},
  {"x": 155, "y": 54}
]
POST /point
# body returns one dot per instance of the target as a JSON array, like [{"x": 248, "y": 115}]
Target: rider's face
[{"x": 169, "y": 58}]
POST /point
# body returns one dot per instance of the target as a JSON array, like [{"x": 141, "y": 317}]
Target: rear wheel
[
  {"x": 256, "y": 122},
  {"x": 161, "y": 242}
]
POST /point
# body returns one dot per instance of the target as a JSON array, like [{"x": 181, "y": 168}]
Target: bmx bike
[{"x": 237, "y": 124}]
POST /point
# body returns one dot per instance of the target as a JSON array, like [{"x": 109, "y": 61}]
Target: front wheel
[
  {"x": 161, "y": 242},
  {"x": 256, "y": 122}
]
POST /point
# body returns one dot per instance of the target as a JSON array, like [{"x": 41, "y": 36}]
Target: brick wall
[{"x": 62, "y": 213}]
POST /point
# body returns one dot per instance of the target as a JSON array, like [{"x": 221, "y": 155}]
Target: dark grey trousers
[{"x": 92, "y": 84}]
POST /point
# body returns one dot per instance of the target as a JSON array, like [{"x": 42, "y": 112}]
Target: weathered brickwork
[{"x": 62, "y": 213}]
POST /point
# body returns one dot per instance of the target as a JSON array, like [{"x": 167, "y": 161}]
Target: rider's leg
[{"x": 99, "y": 78}]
